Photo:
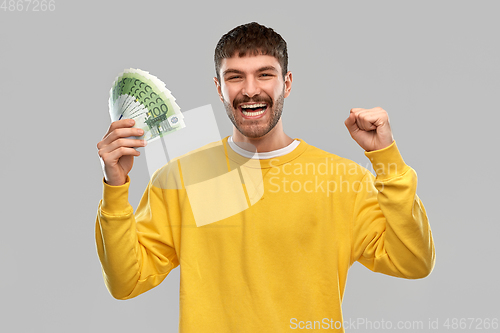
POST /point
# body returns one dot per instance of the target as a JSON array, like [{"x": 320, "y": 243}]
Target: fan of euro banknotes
[{"x": 138, "y": 95}]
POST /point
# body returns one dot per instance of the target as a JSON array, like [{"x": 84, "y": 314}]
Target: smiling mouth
[{"x": 253, "y": 110}]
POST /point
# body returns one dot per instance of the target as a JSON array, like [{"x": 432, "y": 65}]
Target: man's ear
[
  {"x": 219, "y": 89},
  {"x": 288, "y": 84}
]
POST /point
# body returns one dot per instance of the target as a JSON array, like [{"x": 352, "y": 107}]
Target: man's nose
[{"x": 251, "y": 88}]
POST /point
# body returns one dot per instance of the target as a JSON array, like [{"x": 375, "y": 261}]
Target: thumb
[{"x": 350, "y": 123}]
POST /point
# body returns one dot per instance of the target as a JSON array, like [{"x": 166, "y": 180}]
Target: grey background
[{"x": 433, "y": 65}]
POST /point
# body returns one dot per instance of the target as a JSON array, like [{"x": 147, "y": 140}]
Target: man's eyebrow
[
  {"x": 262, "y": 69},
  {"x": 227, "y": 71},
  {"x": 267, "y": 68}
]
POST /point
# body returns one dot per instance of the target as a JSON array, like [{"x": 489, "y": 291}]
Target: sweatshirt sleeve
[
  {"x": 390, "y": 231},
  {"x": 136, "y": 251}
]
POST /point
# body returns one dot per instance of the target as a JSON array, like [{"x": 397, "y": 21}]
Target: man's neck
[{"x": 275, "y": 139}]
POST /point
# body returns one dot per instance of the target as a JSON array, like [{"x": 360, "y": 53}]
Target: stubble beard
[{"x": 252, "y": 128}]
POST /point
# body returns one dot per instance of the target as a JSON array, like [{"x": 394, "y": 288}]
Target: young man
[{"x": 281, "y": 263}]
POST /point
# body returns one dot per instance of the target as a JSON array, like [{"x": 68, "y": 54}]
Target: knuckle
[
  {"x": 121, "y": 132},
  {"x": 114, "y": 134}
]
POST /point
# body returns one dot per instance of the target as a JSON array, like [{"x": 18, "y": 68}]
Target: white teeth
[
  {"x": 253, "y": 113},
  {"x": 253, "y": 106}
]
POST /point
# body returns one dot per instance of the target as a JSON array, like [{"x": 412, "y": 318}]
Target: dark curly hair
[{"x": 251, "y": 39}]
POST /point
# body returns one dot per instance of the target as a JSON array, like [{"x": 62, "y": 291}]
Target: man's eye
[
  {"x": 265, "y": 75},
  {"x": 233, "y": 77}
]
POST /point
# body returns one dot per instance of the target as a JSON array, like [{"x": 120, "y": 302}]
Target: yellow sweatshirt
[{"x": 264, "y": 245}]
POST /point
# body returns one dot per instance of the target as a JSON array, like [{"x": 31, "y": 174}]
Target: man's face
[{"x": 253, "y": 90}]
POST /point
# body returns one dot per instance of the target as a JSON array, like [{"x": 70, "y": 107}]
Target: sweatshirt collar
[{"x": 264, "y": 163}]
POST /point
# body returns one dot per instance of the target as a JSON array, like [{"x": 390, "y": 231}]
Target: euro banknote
[{"x": 138, "y": 95}]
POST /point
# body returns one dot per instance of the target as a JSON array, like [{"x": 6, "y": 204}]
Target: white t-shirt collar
[{"x": 261, "y": 156}]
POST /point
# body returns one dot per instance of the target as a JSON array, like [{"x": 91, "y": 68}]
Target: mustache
[{"x": 247, "y": 99}]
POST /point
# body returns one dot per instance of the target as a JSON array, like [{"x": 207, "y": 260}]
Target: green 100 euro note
[{"x": 138, "y": 95}]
